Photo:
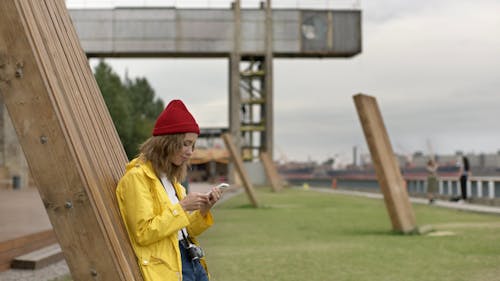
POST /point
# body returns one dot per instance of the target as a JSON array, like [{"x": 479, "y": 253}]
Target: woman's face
[{"x": 185, "y": 153}]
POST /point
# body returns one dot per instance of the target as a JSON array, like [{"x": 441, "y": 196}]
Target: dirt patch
[
  {"x": 467, "y": 225},
  {"x": 441, "y": 233}
]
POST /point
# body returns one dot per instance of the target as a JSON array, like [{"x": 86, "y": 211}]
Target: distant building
[
  {"x": 419, "y": 160},
  {"x": 484, "y": 164}
]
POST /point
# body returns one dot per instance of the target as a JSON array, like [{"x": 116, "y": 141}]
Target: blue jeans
[{"x": 191, "y": 270}]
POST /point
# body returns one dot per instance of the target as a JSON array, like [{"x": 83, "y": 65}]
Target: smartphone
[{"x": 223, "y": 186}]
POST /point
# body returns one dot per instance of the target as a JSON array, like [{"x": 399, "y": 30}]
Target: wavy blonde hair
[{"x": 160, "y": 150}]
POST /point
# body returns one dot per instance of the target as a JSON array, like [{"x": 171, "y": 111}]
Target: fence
[{"x": 477, "y": 187}]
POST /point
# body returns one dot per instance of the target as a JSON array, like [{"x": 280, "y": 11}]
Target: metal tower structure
[{"x": 249, "y": 38}]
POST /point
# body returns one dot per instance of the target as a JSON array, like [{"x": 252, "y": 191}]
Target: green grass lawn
[{"x": 307, "y": 235}]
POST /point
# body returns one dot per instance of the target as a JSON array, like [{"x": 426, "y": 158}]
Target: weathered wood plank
[
  {"x": 39, "y": 258},
  {"x": 70, "y": 143},
  {"x": 271, "y": 172},
  {"x": 14, "y": 247},
  {"x": 235, "y": 156},
  {"x": 389, "y": 176}
]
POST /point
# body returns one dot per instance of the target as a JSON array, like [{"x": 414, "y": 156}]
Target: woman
[
  {"x": 432, "y": 181},
  {"x": 464, "y": 176},
  {"x": 161, "y": 220}
]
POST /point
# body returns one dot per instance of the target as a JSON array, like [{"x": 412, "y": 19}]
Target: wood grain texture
[
  {"x": 240, "y": 168},
  {"x": 387, "y": 169},
  {"x": 38, "y": 258},
  {"x": 12, "y": 248},
  {"x": 271, "y": 172},
  {"x": 67, "y": 135}
]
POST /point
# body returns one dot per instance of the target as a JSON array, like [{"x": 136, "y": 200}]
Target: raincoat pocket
[{"x": 158, "y": 269}]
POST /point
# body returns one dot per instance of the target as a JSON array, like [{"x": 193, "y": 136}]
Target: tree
[
  {"x": 132, "y": 105},
  {"x": 145, "y": 109}
]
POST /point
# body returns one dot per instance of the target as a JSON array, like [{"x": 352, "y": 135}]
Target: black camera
[{"x": 194, "y": 251}]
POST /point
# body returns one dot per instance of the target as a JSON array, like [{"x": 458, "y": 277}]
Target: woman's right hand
[{"x": 194, "y": 201}]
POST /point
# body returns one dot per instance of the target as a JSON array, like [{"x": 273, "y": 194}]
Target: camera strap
[
  {"x": 186, "y": 239},
  {"x": 168, "y": 185}
]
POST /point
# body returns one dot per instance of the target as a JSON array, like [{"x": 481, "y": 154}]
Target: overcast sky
[{"x": 434, "y": 67}]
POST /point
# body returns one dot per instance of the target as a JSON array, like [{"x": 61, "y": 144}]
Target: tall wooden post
[
  {"x": 389, "y": 176},
  {"x": 240, "y": 168},
  {"x": 67, "y": 135},
  {"x": 271, "y": 172}
]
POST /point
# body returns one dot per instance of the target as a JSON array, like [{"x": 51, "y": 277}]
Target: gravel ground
[{"x": 51, "y": 272}]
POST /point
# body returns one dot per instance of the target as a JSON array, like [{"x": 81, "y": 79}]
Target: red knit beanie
[{"x": 175, "y": 119}]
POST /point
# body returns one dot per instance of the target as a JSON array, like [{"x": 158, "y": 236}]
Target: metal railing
[
  {"x": 477, "y": 187},
  {"x": 217, "y": 4}
]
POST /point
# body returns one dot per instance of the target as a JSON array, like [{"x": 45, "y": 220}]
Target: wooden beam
[
  {"x": 238, "y": 162},
  {"x": 39, "y": 258},
  {"x": 271, "y": 172},
  {"x": 21, "y": 245},
  {"x": 389, "y": 176},
  {"x": 67, "y": 135}
]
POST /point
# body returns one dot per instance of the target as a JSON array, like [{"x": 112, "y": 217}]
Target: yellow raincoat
[{"x": 152, "y": 222}]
